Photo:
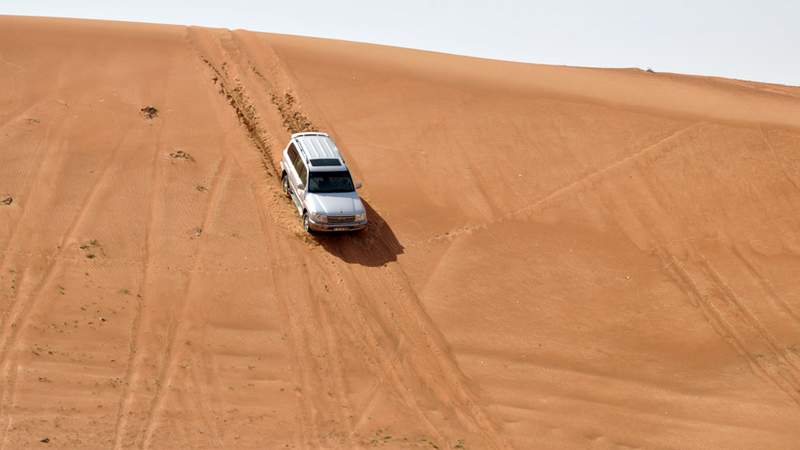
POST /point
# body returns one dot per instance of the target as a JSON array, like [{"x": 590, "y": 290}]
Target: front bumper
[{"x": 334, "y": 227}]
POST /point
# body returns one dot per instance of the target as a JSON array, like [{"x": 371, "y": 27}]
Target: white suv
[{"x": 315, "y": 177}]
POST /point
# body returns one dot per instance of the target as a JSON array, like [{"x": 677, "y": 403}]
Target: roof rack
[
  {"x": 316, "y": 145},
  {"x": 309, "y": 133}
]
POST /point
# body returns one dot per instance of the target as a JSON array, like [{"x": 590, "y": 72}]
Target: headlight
[
  {"x": 319, "y": 217},
  {"x": 361, "y": 217}
]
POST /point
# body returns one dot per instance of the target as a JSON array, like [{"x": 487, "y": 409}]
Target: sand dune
[{"x": 558, "y": 257}]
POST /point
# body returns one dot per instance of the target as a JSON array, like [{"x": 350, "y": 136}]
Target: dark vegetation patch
[
  {"x": 149, "y": 112},
  {"x": 91, "y": 248},
  {"x": 6, "y": 200},
  {"x": 180, "y": 154},
  {"x": 195, "y": 233}
]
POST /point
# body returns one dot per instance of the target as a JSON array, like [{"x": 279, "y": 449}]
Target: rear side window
[
  {"x": 300, "y": 167},
  {"x": 293, "y": 155},
  {"x": 297, "y": 162}
]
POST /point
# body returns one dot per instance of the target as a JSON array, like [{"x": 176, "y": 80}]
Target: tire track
[
  {"x": 8, "y": 426},
  {"x": 245, "y": 112},
  {"x": 200, "y": 402},
  {"x": 237, "y": 99},
  {"x": 426, "y": 341},
  {"x": 765, "y": 284},
  {"x": 736, "y": 326},
  {"x": 787, "y": 368},
  {"x": 301, "y": 332},
  {"x": 298, "y": 348},
  {"x": 336, "y": 370},
  {"x": 721, "y": 307},
  {"x": 577, "y": 184},
  {"x": 306, "y": 427},
  {"x": 316, "y": 351},
  {"x": 179, "y": 326},
  {"x": 211, "y": 402},
  {"x": 126, "y": 399},
  {"x": 372, "y": 396},
  {"x": 300, "y": 326},
  {"x": 388, "y": 366},
  {"x": 227, "y": 75},
  {"x": 28, "y": 192},
  {"x": 260, "y": 53},
  {"x": 136, "y": 263},
  {"x": 236, "y": 95},
  {"x": 21, "y": 309}
]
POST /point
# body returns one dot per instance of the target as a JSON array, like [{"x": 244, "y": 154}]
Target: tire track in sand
[
  {"x": 589, "y": 179},
  {"x": 206, "y": 45},
  {"x": 307, "y": 428},
  {"x": 27, "y": 194},
  {"x": 387, "y": 365},
  {"x": 384, "y": 366},
  {"x": 178, "y": 327},
  {"x": 425, "y": 338},
  {"x": 135, "y": 359},
  {"x": 429, "y": 363},
  {"x": 705, "y": 286},
  {"x": 730, "y": 319},
  {"x": 279, "y": 82},
  {"x": 131, "y": 373},
  {"x": 21, "y": 308},
  {"x": 776, "y": 357},
  {"x": 766, "y": 285}
]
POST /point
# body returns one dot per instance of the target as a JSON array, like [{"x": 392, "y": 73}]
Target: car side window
[
  {"x": 303, "y": 173},
  {"x": 299, "y": 167},
  {"x": 293, "y": 155}
]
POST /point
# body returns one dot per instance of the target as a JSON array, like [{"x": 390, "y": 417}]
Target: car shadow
[{"x": 374, "y": 246}]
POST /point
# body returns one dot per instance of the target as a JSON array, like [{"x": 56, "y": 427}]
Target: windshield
[{"x": 321, "y": 182}]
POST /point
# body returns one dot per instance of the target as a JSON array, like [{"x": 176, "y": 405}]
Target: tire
[
  {"x": 285, "y": 185},
  {"x": 305, "y": 223}
]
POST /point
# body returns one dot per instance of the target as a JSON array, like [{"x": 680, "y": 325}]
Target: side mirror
[{"x": 359, "y": 184}]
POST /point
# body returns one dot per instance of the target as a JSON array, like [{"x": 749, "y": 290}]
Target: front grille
[{"x": 341, "y": 219}]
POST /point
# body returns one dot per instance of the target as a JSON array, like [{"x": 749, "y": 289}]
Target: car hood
[{"x": 339, "y": 203}]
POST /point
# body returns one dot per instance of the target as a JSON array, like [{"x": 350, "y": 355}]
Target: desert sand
[{"x": 557, "y": 257}]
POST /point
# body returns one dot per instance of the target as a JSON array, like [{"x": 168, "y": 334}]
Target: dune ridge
[{"x": 557, "y": 257}]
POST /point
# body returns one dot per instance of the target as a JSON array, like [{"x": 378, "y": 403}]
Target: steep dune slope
[{"x": 558, "y": 257}]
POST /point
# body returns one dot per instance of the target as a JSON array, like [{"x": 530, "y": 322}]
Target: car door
[
  {"x": 301, "y": 180},
  {"x": 293, "y": 174}
]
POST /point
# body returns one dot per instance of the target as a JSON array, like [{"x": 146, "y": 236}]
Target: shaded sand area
[{"x": 557, "y": 257}]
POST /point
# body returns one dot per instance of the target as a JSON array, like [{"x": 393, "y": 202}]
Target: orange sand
[{"x": 558, "y": 257}]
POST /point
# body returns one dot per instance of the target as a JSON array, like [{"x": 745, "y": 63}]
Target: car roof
[{"x": 316, "y": 146}]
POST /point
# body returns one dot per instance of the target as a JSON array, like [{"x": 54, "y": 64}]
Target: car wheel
[
  {"x": 285, "y": 183},
  {"x": 305, "y": 223}
]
